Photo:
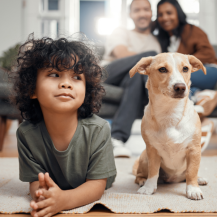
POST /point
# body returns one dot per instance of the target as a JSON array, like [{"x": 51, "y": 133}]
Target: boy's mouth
[{"x": 65, "y": 95}]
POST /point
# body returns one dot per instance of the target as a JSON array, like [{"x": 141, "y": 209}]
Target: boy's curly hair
[{"x": 61, "y": 54}]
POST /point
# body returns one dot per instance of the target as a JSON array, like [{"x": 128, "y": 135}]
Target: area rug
[{"x": 122, "y": 197}]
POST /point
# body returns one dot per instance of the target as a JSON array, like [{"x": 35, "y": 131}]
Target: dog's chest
[
  {"x": 171, "y": 141},
  {"x": 171, "y": 145},
  {"x": 172, "y": 136},
  {"x": 173, "y": 128}
]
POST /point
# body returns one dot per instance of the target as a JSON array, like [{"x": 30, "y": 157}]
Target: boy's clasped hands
[{"x": 48, "y": 198}]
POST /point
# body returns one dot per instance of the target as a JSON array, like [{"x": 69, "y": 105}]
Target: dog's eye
[
  {"x": 163, "y": 70},
  {"x": 185, "y": 69}
]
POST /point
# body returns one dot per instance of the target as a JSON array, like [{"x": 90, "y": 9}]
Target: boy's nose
[{"x": 66, "y": 85}]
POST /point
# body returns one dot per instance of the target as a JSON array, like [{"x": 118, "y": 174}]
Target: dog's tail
[{"x": 135, "y": 166}]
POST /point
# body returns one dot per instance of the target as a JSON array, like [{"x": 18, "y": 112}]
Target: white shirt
[
  {"x": 134, "y": 41},
  {"x": 174, "y": 44}
]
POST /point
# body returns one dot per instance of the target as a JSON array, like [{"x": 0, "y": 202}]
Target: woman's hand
[{"x": 53, "y": 201}]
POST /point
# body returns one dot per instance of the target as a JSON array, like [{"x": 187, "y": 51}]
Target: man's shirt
[{"x": 134, "y": 41}]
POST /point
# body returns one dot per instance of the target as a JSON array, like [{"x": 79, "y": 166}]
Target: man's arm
[{"x": 121, "y": 51}]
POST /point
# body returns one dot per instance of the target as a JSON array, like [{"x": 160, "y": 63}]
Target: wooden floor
[{"x": 10, "y": 150}]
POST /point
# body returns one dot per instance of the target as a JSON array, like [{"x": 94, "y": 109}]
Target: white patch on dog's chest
[
  {"x": 173, "y": 131},
  {"x": 175, "y": 136},
  {"x": 181, "y": 135},
  {"x": 171, "y": 141}
]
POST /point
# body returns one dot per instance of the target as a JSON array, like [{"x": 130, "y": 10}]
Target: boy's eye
[
  {"x": 53, "y": 75},
  {"x": 77, "y": 77}
]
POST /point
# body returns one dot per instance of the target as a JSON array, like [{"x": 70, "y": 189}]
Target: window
[
  {"x": 42, "y": 5},
  {"x": 192, "y": 9},
  {"x": 53, "y": 5},
  {"x": 50, "y": 28}
]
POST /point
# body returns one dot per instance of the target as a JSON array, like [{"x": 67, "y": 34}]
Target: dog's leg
[
  {"x": 140, "y": 181},
  {"x": 142, "y": 170},
  {"x": 202, "y": 181},
  {"x": 154, "y": 161},
  {"x": 193, "y": 162}
]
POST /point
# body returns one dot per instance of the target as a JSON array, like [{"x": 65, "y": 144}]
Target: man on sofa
[{"x": 124, "y": 48}]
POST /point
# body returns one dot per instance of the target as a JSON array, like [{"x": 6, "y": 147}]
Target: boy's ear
[
  {"x": 196, "y": 64},
  {"x": 33, "y": 96},
  {"x": 141, "y": 66}
]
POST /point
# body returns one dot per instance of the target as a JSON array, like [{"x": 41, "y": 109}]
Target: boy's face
[{"x": 59, "y": 92}]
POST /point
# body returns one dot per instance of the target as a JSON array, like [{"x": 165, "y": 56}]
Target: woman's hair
[
  {"x": 163, "y": 35},
  {"x": 61, "y": 54}
]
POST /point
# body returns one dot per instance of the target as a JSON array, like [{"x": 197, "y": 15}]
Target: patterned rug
[{"x": 122, "y": 197}]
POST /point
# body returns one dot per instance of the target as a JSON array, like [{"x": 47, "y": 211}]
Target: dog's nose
[{"x": 179, "y": 88}]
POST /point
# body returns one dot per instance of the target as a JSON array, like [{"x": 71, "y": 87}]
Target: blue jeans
[{"x": 201, "y": 81}]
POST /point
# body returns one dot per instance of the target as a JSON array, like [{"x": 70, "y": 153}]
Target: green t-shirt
[{"x": 88, "y": 156}]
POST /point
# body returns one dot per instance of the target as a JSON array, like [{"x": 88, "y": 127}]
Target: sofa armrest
[
  {"x": 5, "y": 90},
  {"x": 113, "y": 94}
]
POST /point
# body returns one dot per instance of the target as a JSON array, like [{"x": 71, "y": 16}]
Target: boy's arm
[
  {"x": 57, "y": 200},
  {"x": 33, "y": 186},
  {"x": 86, "y": 193}
]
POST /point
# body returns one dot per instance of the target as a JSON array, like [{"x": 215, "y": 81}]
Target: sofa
[{"x": 7, "y": 110}]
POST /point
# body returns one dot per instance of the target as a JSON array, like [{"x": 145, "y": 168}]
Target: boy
[{"x": 65, "y": 151}]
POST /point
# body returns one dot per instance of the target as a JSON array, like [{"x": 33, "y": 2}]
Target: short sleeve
[
  {"x": 28, "y": 167},
  {"x": 101, "y": 163},
  {"x": 118, "y": 37}
]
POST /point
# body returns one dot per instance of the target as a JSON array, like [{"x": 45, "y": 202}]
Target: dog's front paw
[
  {"x": 147, "y": 190},
  {"x": 194, "y": 193},
  {"x": 142, "y": 182},
  {"x": 202, "y": 181}
]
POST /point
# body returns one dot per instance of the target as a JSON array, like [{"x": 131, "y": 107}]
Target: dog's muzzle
[{"x": 179, "y": 90}]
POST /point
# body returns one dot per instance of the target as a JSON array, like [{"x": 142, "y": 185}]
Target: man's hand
[
  {"x": 121, "y": 51},
  {"x": 53, "y": 201}
]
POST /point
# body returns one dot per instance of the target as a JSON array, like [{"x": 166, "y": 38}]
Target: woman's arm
[
  {"x": 203, "y": 49},
  {"x": 195, "y": 42}
]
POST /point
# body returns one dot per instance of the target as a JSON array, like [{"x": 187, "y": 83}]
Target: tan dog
[{"x": 170, "y": 127}]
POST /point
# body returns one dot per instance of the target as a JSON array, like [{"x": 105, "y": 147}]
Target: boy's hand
[
  {"x": 35, "y": 186},
  {"x": 42, "y": 185},
  {"x": 53, "y": 201}
]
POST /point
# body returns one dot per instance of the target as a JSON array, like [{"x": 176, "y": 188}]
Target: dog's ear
[
  {"x": 141, "y": 66},
  {"x": 196, "y": 64}
]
